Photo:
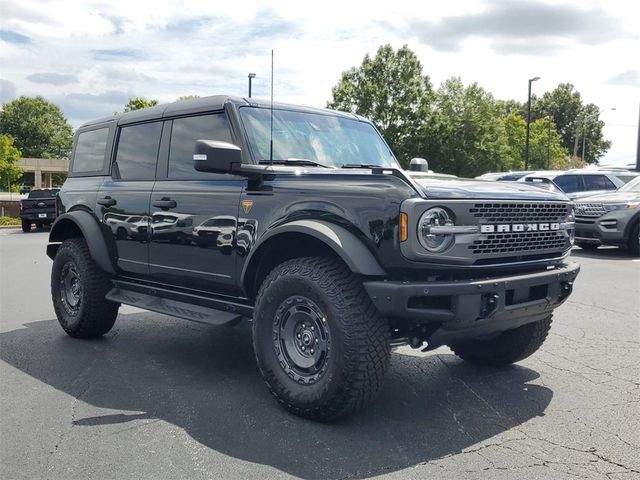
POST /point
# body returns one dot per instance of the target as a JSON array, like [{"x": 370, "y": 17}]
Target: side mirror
[
  {"x": 215, "y": 156},
  {"x": 418, "y": 165}
]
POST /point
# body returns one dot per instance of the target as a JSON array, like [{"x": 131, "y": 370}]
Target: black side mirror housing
[{"x": 216, "y": 156}]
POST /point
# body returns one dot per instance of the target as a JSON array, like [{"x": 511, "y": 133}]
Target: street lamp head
[
  {"x": 534, "y": 79},
  {"x": 252, "y": 75}
]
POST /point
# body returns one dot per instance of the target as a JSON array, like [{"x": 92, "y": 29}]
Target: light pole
[
  {"x": 526, "y": 138},
  {"x": 251, "y": 77}
]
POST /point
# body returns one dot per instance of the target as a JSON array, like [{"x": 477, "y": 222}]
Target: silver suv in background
[
  {"x": 582, "y": 182},
  {"x": 610, "y": 219}
]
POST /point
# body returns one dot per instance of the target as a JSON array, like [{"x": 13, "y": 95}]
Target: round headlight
[{"x": 433, "y": 241}]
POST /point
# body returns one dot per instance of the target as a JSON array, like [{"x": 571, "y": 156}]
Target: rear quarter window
[
  {"x": 89, "y": 154},
  {"x": 598, "y": 182}
]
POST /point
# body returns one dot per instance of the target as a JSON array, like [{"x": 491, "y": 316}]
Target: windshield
[
  {"x": 633, "y": 186},
  {"x": 325, "y": 139}
]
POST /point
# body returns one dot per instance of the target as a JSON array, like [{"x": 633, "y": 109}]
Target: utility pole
[{"x": 526, "y": 140}]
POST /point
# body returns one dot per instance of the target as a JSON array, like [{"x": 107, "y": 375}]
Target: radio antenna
[{"x": 271, "y": 141}]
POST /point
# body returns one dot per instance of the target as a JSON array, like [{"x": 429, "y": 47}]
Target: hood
[
  {"x": 613, "y": 197},
  {"x": 457, "y": 188}
]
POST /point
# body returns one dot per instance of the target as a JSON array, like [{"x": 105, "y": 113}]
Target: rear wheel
[
  {"x": 634, "y": 240},
  {"x": 587, "y": 245},
  {"x": 507, "y": 348},
  {"x": 78, "y": 289},
  {"x": 320, "y": 344},
  {"x": 26, "y": 226}
]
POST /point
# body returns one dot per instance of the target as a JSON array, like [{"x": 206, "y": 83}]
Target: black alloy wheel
[{"x": 301, "y": 339}]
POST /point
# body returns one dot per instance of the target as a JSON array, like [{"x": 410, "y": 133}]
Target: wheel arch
[
  {"x": 80, "y": 223},
  {"x": 306, "y": 238}
]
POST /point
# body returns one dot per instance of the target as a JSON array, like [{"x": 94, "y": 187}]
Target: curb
[{"x": 7, "y": 227}]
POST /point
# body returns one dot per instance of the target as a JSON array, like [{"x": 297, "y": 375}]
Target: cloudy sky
[{"x": 90, "y": 57}]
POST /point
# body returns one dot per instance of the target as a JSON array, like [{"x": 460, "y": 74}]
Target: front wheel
[
  {"x": 507, "y": 348},
  {"x": 320, "y": 344},
  {"x": 78, "y": 289}
]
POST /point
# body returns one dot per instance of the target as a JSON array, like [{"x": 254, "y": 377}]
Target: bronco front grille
[
  {"x": 590, "y": 210},
  {"x": 519, "y": 212},
  {"x": 517, "y": 242}
]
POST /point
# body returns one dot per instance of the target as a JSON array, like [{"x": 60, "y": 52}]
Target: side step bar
[{"x": 190, "y": 307}]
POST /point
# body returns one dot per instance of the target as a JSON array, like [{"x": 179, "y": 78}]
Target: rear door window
[
  {"x": 90, "y": 151},
  {"x": 138, "y": 151},
  {"x": 569, "y": 183},
  {"x": 598, "y": 182}
]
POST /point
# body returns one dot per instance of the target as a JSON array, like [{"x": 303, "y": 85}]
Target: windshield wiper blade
[
  {"x": 361, "y": 165},
  {"x": 295, "y": 161}
]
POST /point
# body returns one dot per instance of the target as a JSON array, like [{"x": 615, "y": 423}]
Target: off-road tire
[
  {"x": 26, "y": 226},
  {"x": 507, "y": 348},
  {"x": 360, "y": 348},
  {"x": 94, "y": 315},
  {"x": 634, "y": 241},
  {"x": 587, "y": 245}
]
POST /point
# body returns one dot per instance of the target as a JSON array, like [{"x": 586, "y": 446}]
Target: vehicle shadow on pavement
[
  {"x": 605, "y": 253},
  {"x": 205, "y": 381}
]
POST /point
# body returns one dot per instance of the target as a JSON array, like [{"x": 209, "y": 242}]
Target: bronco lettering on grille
[{"x": 519, "y": 227}]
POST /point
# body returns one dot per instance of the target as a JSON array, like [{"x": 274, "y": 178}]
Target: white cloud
[{"x": 164, "y": 49}]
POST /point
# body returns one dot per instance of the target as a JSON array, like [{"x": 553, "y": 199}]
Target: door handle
[
  {"x": 107, "y": 201},
  {"x": 165, "y": 203}
]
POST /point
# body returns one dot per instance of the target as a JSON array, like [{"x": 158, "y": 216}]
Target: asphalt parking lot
[{"x": 163, "y": 398}]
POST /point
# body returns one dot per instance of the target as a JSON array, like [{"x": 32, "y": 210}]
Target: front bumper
[
  {"x": 467, "y": 309},
  {"x": 611, "y": 228}
]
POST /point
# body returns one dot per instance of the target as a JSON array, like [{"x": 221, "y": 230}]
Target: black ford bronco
[{"x": 220, "y": 209}]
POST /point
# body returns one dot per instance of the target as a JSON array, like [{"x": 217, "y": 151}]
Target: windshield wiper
[
  {"x": 295, "y": 161},
  {"x": 361, "y": 165}
]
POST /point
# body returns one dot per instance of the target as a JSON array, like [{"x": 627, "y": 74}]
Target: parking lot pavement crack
[
  {"x": 584, "y": 377},
  {"x": 590, "y": 451},
  {"x": 63, "y": 434},
  {"x": 599, "y": 307}
]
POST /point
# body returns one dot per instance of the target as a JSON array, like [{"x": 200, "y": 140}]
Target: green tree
[
  {"x": 573, "y": 120},
  {"x": 507, "y": 107},
  {"x": 545, "y": 148},
  {"x": 391, "y": 91},
  {"x": 38, "y": 127},
  {"x": 546, "y": 151},
  {"x": 513, "y": 128},
  {"x": 10, "y": 173},
  {"x": 137, "y": 103},
  {"x": 466, "y": 133}
]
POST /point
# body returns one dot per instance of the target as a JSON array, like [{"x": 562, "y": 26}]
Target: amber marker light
[{"x": 404, "y": 227}]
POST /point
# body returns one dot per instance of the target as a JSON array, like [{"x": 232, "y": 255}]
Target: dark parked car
[
  {"x": 610, "y": 219},
  {"x": 332, "y": 250},
  {"x": 38, "y": 208}
]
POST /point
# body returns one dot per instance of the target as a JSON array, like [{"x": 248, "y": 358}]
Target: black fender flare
[
  {"x": 345, "y": 244},
  {"x": 92, "y": 233}
]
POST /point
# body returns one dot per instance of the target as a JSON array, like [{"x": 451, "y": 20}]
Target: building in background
[{"x": 43, "y": 172}]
